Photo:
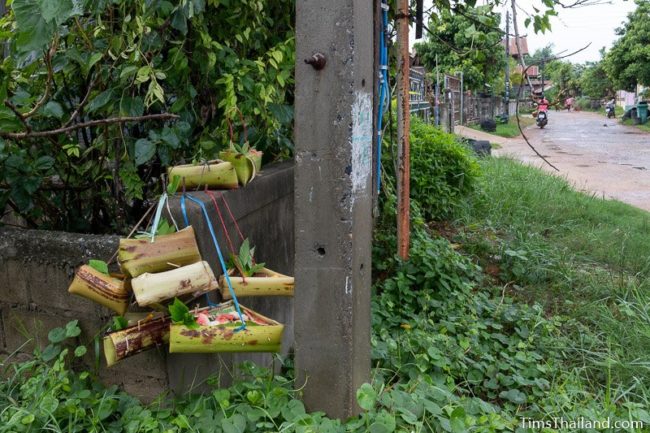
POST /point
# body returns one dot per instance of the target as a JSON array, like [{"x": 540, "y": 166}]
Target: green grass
[
  {"x": 510, "y": 129},
  {"x": 525, "y": 199},
  {"x": 576, "y": 255},
  {"x": 643, "y": 127}
]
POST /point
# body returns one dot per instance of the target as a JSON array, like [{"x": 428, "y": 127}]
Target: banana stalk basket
[
  {"x": 110, "y": 292},
  {"x": 221, "y": 333},
  {"x": 264, "y": 283},
  {"x": 196, "y": 279},
  {"x": 246, "y": 165},
  {"x": 138, "y": 256},
  {"x": 143, "y": 335},
  {"x": 214, "y": 174}
]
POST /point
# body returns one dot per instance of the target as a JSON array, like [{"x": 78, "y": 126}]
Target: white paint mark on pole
[
  {"x": 348, "y": 286},
  {"x": 361, "y": 169}
]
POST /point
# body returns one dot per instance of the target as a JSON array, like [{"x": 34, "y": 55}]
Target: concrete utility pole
[
  {"x": 437, "y": 94},
  {"x": 333, "y": 201},
  {"x": 520, "y": 55},
  {"x": 543, "y": 63},
  {"x": 462, "y": 98},
  {"x": 403, "y": 131}
]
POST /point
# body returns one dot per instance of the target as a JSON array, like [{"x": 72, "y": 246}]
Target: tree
[
  {"x": 467, "y": 41},
  {"x": 628, "y": 62},
  {"x": 181, "y": 71},
  {"x": 566, "y": 77},
  {"x": 594, "y": 80}
]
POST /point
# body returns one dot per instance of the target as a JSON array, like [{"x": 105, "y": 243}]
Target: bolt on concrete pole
[
  {"x": 333, "y": 201},
  {"x": 403, "y": 131}
]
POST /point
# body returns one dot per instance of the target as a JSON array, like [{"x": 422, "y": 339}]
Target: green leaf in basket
[
  {"x": 178, "y": 310},
  {"x": 173, "y": 185},
  {"x": 99, "y": 265},
  {"x": 119, "y": 323},
  {"x": 181, "y": 314}
]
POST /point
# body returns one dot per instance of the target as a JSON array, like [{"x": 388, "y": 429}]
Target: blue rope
[
  {"x": 383, "y": 86},
  {"x": 216, "y": 246}
]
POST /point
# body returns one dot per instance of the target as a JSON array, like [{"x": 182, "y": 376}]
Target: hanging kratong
[
  {"x": 249, "y": 278},
  {"x": 196, "y": 279},
  {"x": 245, "y": 163},
  {"x": 99, "y": 287},
  {"x": 137, "y": 256},
  {"x": 214, "y": 174},
  {"x": 220, "y": 330},
  {"x": 264, "y": 282},
  {"x": 246, "y": 160},
  {"x": 143, "y": 335}
]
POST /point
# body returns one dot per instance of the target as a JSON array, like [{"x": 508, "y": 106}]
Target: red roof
[
  {"x": 532, "y": 71},
  {"x": 523, "y": 43}
]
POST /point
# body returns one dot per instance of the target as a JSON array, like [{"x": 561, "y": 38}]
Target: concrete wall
[{"x": 36, "y": 268}]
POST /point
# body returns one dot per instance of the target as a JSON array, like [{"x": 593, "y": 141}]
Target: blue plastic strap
[
  {"x": 216, "y": 246},
  {"x": 187, "y": 223},
  {"x": 156, "y": 218},
  {"x": 184, "y": 210}
]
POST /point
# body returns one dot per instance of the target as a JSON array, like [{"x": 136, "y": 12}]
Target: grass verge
[
  {"x": 580, "y": 258},
  {"x": 643, "y": 127},
  {"x": 510, "y": 129}
]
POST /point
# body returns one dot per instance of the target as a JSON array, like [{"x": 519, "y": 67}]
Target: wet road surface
[{"x": 596, "y": 154}]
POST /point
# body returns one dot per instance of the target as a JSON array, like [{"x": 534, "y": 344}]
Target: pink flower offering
[{"x": 202, "y": 319}]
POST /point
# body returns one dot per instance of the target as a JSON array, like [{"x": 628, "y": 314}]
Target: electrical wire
[{"x": 383, "y": 87}]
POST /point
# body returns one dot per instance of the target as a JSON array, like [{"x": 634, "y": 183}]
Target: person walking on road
[{"x": 568, "y": 103}]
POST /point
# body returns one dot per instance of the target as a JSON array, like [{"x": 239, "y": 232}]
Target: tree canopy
[
  {"x": 468, "y": 41},
  {"x": 628, "y": 61},
  {"x": 595, "y": 82}
]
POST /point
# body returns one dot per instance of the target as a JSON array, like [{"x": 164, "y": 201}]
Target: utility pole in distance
[
  {"x": 507, "y": 91},
  {"x": 333, "y": 201},
  {"x": 542, "y": 71}
]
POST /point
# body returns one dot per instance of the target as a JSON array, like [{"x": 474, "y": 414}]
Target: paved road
[{"x": 596, "y": 154}]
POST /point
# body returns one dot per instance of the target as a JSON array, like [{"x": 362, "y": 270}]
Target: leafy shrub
[
  {"x": 441, "y": 328},
  {"x": 587, "y": 104},
  {"x": 89, "y": 61},
  {"x": 47, "y": 394},
  {"x": 443, "y": 171}
]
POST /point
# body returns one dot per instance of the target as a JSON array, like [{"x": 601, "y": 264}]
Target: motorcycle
[
  {"x": 542, "y": 119},
  {"x": 610, "y": 111},
  {"x": 542, "y": 112}
]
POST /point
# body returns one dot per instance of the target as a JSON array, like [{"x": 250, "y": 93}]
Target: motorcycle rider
[
  {"x": 610, "y": 108},
  {"x": 542, "y": 111},
  {"x": 542, "y": 104}
]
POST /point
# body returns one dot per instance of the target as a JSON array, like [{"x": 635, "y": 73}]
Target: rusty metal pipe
[{"x": 403, "y": 130}]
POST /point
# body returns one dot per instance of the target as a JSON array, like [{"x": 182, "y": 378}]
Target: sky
[{"x": 572, "y": 29}]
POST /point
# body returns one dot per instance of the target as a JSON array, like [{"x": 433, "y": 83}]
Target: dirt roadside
[{"x": 597, "y": 155}]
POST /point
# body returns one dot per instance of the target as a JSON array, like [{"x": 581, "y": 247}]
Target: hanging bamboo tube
[
  {"x": 196, "y": 278},
  {"x": 137, "y": 256},
  {"x": 261, "y": 334},
  {"x": 264, "y": 283},
  {"x": 110, "y": 292},
  {"x": 221, "y": 175},
  {"x": 144, "y": 335}
]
